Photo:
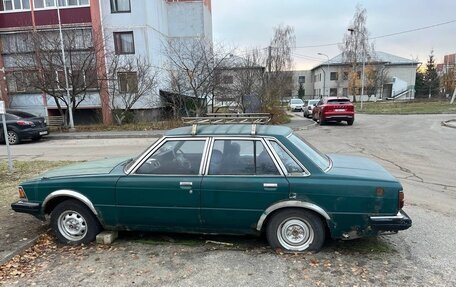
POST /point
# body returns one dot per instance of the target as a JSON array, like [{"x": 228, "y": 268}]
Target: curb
[
  {"x": 449, "y": 123},
  {"x": 27, "y": 244}
]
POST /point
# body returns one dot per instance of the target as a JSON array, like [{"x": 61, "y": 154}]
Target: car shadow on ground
[{"x": 253, "y": 243}]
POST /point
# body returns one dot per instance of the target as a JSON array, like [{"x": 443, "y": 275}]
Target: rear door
[{"x": 240, "y": 182}]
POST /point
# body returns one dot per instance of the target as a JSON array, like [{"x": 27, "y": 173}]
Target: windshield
[
  {"x": 296, "y": 101},
  {"x": 312, "y": 153},
  {"x": 313, "y": 102},
  {"x": 338, "y": 101}
]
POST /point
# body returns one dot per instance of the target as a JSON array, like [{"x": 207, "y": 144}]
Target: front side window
[
  {"x": 241, "y": 157},
  {"x": 124, "y": 43},
  {"x": 292, "y": 167},
  {"x": 175, "y": 157},
  {"x": 118, "y": 6}
]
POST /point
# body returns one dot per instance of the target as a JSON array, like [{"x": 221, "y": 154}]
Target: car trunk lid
[{"x": 358, "y": 167}]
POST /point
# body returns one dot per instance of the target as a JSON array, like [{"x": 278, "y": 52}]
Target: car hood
[
  {"x": 96, "y": 167},
  {"x": 359, "y": 167}
]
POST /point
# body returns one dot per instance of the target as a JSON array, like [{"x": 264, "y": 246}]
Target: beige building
[{"x": 394, "y": 78}]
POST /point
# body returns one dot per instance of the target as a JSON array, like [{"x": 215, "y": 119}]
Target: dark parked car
[
  {"x": 227, "y": 179},
  {"x": 334, "y": 109},
  {"x": 23, "y": 125}
]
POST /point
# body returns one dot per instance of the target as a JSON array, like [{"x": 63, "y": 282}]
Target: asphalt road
[{"x": 415, "y": 148}]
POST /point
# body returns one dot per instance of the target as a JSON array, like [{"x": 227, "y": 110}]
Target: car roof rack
[{"x": 227, "y": 118}]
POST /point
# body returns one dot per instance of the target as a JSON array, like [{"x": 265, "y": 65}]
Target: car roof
[{"x": 231, "y": 130}]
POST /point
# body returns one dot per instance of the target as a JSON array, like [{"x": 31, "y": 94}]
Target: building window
[
  {"x": 120, "y": 6},
  {"x": 333, "y": 92},
  {"x": 128, "y": 82},
  {"x": 345, "y": 92},
  {"x": 11, "y": 5},
  {"x": 319, "y": 77},
  {"x": 345, "y": 76},
  {"x": 124, "y": 43},
  {"x": 301, "y": 79},
  {"x": 40, "y": 4},
  {"x": 334, "y": 76}
]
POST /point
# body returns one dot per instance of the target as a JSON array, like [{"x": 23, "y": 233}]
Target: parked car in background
[
  {"x": 296, "y": 105},
  {"x": 22, "y": 126},
  {"x": 225, "y": 179},
  {"x": 334, "y": 109},
  {"x": 308, "y": 108}
]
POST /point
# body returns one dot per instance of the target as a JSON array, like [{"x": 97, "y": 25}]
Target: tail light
[
  {"x": 328, "y": 108},
  {"x": 25, "y": 123},
  {"x": 351, "y": 108},
  {"x": 401, "y": 200}
]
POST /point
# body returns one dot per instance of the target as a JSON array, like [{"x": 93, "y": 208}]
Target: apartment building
[{"x": 107, "y": 28}]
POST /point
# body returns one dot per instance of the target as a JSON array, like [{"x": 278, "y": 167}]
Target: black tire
[
  {"x": 321, "y": 121},
  {"x": 297, "y": 220},
  {"x": 74, "y": 223},
  {"x": 350, "y": 122},
  {"x": 13, "y": 138}
]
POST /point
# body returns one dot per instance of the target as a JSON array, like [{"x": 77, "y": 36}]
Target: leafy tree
[
  {"x": 420, "y": 84},
  {"x": 431, "y": 78}
]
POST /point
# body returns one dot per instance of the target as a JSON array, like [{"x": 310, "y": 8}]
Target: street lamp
[
  {"x": 352, "y": 30},
  {"x": 324, "y": 80},
  {"x": 67, "y": 86}
]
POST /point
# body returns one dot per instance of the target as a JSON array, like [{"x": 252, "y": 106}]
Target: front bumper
[
  {"x": 27, "y": 207},
  {"x": 400, "y": 221}
]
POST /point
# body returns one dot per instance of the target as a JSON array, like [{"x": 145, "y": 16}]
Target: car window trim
[
  {"x": 262, "y": 140},
  {"x": 163, "y": 141},
  {"x": 306, "y": 171}
]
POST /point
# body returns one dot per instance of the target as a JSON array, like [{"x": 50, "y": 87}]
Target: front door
[
  {"x": 241, "y": 181},
  {"x": 164, "y": 191}
]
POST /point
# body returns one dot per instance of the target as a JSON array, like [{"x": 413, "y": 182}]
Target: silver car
[
  {"x": 308, "y": 108},
  {"x": 296, "y": 105}
]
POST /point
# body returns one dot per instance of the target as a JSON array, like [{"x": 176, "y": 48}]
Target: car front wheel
[
  {"x": 296, "y": 230},
  {"x": 74, "y": 223}
]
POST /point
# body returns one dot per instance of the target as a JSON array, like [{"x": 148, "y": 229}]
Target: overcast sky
[{"x": 248, "y": 24}]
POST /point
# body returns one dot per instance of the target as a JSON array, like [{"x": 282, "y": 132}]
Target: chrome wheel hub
[
  {"x": 295, "y": 234},
  {"x": 72, "y": 225}
]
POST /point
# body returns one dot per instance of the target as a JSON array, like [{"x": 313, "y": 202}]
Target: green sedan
[{"x": 224, "y": 179}]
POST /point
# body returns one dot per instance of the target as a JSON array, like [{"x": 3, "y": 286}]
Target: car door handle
[
  {"x": 270, "y": 185},
  {"x": 186, "y": 183}
]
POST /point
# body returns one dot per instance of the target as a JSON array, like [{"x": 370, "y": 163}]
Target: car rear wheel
[
  {"x": 13, "y": 138},
  {"x": 73, "y": 223},
  {"x": 350, "y": 122},
  {"x": 296, "y": 230}
]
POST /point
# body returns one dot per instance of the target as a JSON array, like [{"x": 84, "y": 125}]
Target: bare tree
[
  {"x": 42, "y": 67},
  {"x": 130, "y": 78},
  {"x": 193, "y": 64},
  {"x": 279, "y": 64},
  {"x": 376, "y": 76},
  {"x": 355, "y": 48},
  {"x": 247, "y": 74}
]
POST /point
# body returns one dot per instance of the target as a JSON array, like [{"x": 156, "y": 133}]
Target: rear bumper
[
  {"x": 400, "y": 221},
  {"x": 339, "y": 116},
  {"x": 32, "y": 208},
  {"x": 33, "y": 133}
]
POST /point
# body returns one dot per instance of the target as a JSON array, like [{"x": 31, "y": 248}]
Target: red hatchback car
[{"x": 334, "y": 109}]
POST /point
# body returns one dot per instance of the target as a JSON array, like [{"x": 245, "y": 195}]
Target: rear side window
[
  {"x": 292, "y": 167},
  {"x": 241, "y": 157}
]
